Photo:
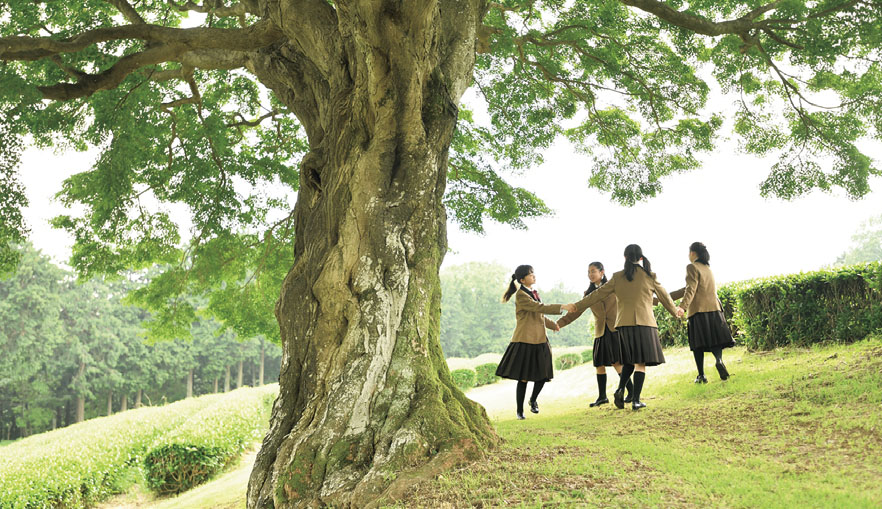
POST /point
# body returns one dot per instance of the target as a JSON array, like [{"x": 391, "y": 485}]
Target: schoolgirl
[
  {"x": 528, "y": 356},
  {"x": 607, "y": 349},
  {"x": 635, "y": 323},
  {"x": 706, "y": 327}
]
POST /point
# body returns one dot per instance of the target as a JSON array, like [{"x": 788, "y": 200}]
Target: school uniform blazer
[
  {"x": 634, "y": 298},
  {"x": 604, "y": 315},
  {"x": 700, "y": 295},
  {"x": 531, "y": 320}
]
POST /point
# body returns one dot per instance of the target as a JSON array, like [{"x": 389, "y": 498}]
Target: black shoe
[
  {"x": 600, "y": 401},
  {"x": 521, "y": 416},
  {"x": 700, "y": 379},
  {"x": 724, "y": 373},
  {"x": 534, "y": 407},
  {"x": 629, "y": 398},
  {"x": 619, "y": 398},
  {"x": 637, "y": 405}
]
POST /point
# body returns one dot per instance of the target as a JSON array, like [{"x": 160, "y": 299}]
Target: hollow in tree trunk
[{"x": 366, "y": 400}]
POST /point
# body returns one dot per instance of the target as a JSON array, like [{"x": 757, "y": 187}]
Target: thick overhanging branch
[
  {"x": 253, "y": 37},
  {"x": 209, "y": 59}
]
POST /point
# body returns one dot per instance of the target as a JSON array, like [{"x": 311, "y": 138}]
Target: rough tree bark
[{"x": 366, "y": 399}]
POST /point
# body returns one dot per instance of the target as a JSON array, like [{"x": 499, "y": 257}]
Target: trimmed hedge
[
  {"x": 841, "y": 305},
  {"x": 587, "y": 356},
  {"x": 193, "y": 452},
  {"x": 82, "y": 464},
  {"x": 486, "y": 374},
  {"x": 464, "y": 378},
  {"x": 567, "y": 361}
]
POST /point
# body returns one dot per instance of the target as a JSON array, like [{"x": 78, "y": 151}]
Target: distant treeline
[
  {"x": 71, "y": 351},
  {"x": 474, "y": 320}
]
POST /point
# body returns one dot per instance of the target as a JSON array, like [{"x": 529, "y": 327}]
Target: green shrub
[
  {"x": 82, "y": 464},
  {"x": 671, "y": 330},
  {"x": 841, "y": 305},
  {"x": 567, "y": 361},
  {"x": 464, "y": 378},
  {"x": 486, "y": 374},
  {"x": 587, "y": 356},
  {"x": 193, "y": 452}
]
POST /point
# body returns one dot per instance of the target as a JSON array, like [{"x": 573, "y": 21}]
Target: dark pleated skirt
[
  {"x": 640, "y": 345},
  {"x": 607, "y": 349},
  {"x": 525, "y": 361},
  {"x": 708, "y": 331}
]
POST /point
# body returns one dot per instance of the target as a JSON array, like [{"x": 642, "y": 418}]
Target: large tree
[{"x": 363, "y": 121}]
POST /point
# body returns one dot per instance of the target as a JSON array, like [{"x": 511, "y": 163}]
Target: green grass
[{"x": 791, "y": 428}]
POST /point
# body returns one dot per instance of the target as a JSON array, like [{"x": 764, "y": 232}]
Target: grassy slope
[{"x": 790, "y": 428}]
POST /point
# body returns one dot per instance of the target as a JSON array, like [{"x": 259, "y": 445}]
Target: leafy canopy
[{"x": 190, "y": 138}]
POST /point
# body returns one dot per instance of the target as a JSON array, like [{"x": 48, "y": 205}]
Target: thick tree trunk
[
  {"x": 239, "y": 378},
  {"x": 365, "y": 393},
  {"x": 138, "y": 399},
  {"x": 124, "y": 405},
  {"x": 190, "y": 383},
  {"x": 81, "y": 409},
  {"x": 227, "y": 380}
]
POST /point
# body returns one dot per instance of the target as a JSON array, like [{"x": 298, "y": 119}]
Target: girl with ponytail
[
  {"x": 637, "y": 329},
  {"x": 528, "y": 356},
  {"x": 607, "y": 345},
  {"x": 706, "y": 328}
]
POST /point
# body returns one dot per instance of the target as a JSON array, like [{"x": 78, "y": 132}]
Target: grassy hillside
[{"x": 792, "y": 427}]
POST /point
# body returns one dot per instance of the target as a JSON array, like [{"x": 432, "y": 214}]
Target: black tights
[
  {"x": 699, "y": 358},
  {"x": 521, "y": 392}
]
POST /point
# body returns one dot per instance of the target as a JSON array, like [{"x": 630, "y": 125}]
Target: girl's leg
[
  {"x": 721, "y": 368},
  {"x": 639, "y": 377},
  {"x": 601, "y": 387},
  {"x": 520, "y": 392},
  {"x": 619, "y": 395},
  {"x": 628, "y": 385},
  {"x": 537, "y": 388},
  {"x": 699, "y": 364}
]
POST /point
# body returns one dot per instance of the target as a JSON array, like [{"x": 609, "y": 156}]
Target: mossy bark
[{"x": 366, "y": 400}]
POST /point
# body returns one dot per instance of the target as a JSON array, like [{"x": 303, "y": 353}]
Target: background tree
[
  {"x": 365, "y": 100},
  {"x": 866, "y": 244}
]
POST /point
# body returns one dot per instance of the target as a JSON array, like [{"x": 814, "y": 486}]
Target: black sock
[
  {"x": 625, "y": 376},
  {"x": 629, "y": 387},
  {"x": 601, "y": 385},
  {"x": 520, "y": 393},
  {"x": 639, "y": 376},
  {"x": 718, "y": 354},
  {"x": 537, "y": 388},
  {"x": 699, "y": 361}
]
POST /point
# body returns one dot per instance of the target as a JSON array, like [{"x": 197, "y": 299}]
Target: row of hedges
[
  {"x": 486, "y": 373},
  {"x": 79, "y": 465},
  {"x": 840, "y": 305},
  {"x": 483, "y": 374},
  {"x": 193, "y": 452}
]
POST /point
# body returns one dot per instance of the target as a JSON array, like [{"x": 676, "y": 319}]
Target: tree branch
[
  {"x": 128, "y": 11},
  {"x": 202, "y": 59},
  {"x": 254, "y": 36}
]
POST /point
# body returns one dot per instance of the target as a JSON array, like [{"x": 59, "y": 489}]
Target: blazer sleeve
[
  {"x": 524, "y": 303},
  {"x": 597, "y": 295},
  {"x": 691, "y": 286},
  {"x": 549, "y": 323},
  {"x": 569, "y": 318},
  {"x": 663, "y": 297}
]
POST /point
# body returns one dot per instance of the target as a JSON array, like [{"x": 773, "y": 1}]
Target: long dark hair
[
  {"x": 633, "y": 254},
  {"x": 598, "y": 266},
  {"x": 520, "y": 273},
  {"x": 701, "y": 250}
]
